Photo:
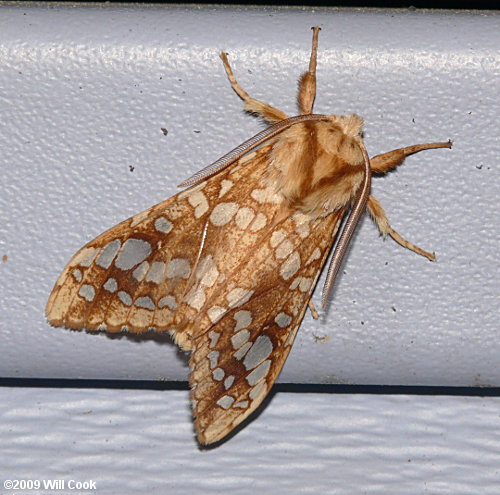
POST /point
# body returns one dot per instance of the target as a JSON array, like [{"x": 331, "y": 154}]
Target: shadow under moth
[{"x": 228, "y": 266}]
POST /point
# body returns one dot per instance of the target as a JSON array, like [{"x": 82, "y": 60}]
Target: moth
[{"x": 228, "y": 266}]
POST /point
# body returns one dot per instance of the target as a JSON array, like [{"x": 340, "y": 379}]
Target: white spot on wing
[
  {"x": 77, "y": 274},
  {"x": 277, "y": 237},
  {"x": 124, "y": 298},
  {"x": 87, "y": 292},
  {"x": 295, "y": 283},
  {"x": 218, "y": 374},
  {"x": 195, "y": 297},
  {"x": 244, "y": 217},
  {"x": 207, "y": 271},
  {"x": 213, "y": 357},
  {"x": 238, "y": 339},
  {"x": 242, "y": 404},
  {"x": 303, "y": 230},
  {"x": 238, "y": 296},
  {"x": 178, "y": 267},
  {"x": 225, "y": 402},
  {"x": 259, "y": 351},
  {"x": 259, "y": 373},
  {"x": 242, "y": 351},
  {"x": 225, "y": 186},
  {"x": 140, "y": 272},
  {"x": 228, "y": 382},
  {"x": 302, "y": 225},
  {"x": 243, "y": 319},
  {"x": 163, "y": 225},
  {"x": 145, "y": 302},
  {"x": 111, "y": 285},
  {"x": 259, "y": 222},
  {"x": 167, "y": 301},
  {"x": 305, "y": 284},
  {"x": 223, "y": 213},
  {"x": 156, "y": 273},
  {"x": 214, "y": 338},
  {"x": 215, "y": 313},
  {"x": 284, "y": 249},
  {"x": 108, "y": 254},
  {"x": 283, "y": 320},
  {"x": 265, "y": 196},
  {"x": 290, "y": 266},
  {"x": 258, "y": 391},
  {"x": 314, "y": 256},
  {"x": 133, "y": 252},
  {"x": 199, "y": 202}
]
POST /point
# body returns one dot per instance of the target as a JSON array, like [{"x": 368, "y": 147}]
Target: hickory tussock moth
[{"x": 228, "y": 266}]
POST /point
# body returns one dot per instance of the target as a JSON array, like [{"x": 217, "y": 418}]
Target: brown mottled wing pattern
[
  {"x": 135, "y": 276},
  {"x": 224, "y": 266},
  {"x": 237, "y": 358}
]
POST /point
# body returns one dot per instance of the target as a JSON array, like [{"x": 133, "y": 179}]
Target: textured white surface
[
  {"x": 85, "y": 91},
  {"x": 142, "y": 442}
]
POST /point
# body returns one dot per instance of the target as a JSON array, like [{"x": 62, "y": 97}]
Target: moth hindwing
[{"x": 228, "y": 266}]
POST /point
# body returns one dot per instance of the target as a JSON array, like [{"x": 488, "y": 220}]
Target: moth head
[{"x": 352, "y": 125}]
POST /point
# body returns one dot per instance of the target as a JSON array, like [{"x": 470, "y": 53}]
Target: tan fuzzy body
[{"x": 318, "y": 166}]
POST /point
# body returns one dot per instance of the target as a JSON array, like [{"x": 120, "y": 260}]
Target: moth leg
[
  {"x": 307, "y": 81},
  {"x": 380, "y": 218},
  {"x": 252, "y": 105},
  {"x": 314, "y": 311},
  {"x": 390, "y": 160}
]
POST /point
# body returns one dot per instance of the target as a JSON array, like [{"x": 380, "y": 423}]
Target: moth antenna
[
  {"x": 355, "y": 214},
  {"x": 247, "y": 146}
]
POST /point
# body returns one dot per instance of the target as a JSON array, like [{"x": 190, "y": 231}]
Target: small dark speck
[
  {"x": 470, "y": 113},
  {"x": 362, "y": 323},
  {"x": 479, "y": 167},
  {"x": 180, "y": 80},
  {"x": 196, "y": 132},
  {"x": 249, "y": 71},
  {"x": 131, "y": 168},
  {"x": 413, "y": 120},
  {"x": 386, "y": 263},
  {"x": 164, "y": 130},
  {"x": 393, "y": 308}
]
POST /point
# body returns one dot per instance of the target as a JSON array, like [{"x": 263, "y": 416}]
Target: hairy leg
[
  {"x": 380, "y": 218},
  {"x": 252, "y": 105}
]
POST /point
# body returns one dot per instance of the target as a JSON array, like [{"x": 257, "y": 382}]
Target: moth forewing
[{"x": 228, "y": 266}]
